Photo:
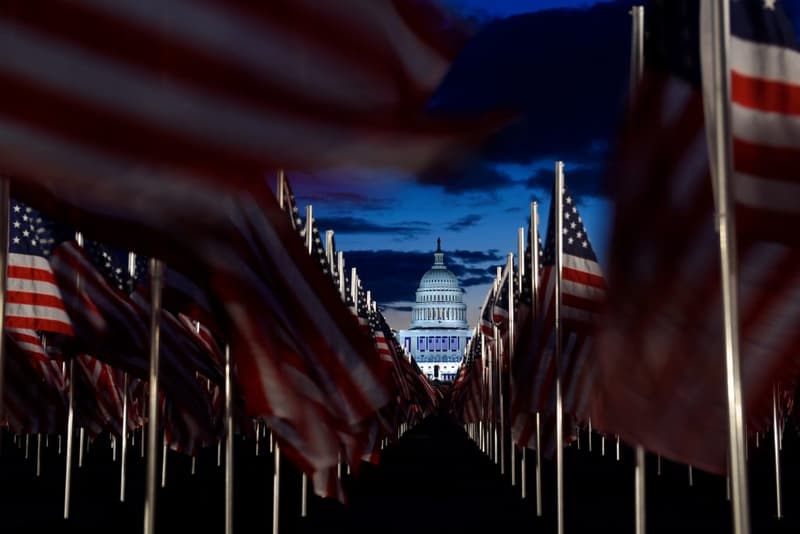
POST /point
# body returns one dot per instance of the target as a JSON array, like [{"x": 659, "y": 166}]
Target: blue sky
[{"x": 565, "y": 71}]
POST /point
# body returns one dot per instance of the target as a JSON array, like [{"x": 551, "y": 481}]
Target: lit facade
[{"x": 438, "y": 332}]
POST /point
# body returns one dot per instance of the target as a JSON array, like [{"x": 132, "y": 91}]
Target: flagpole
[
  {"x": 70, "y": 411},
  {"x": 520, "y": 274},
  {"x": 534, "y": 267},
  {"x": 775, "y": 431},
  {"x": 559, "y": 221},
  {"x": 229, "y": 442},
  {"x": 309, "y": 248},
  {"x": 156, "y": 281},
  {"x": 124, "y": 451},
  {"x": 5, "y": 199},
  {"x": 70, "y": 437},
  {"x": 721, "y": 155},
  {"x": 498, "y": 362},
  {"x": 276, "y": 488},
  {"x": 510, "y": 281},
  {"x": 637, "y": 69}
]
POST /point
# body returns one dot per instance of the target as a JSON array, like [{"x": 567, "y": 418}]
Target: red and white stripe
[
  {"x": 660, "y": 356},
  {"x": 33, "y": 297},
  {"x": 765, "y": 124}
]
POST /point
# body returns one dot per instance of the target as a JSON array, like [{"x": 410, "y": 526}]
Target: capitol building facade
[{"x": 438, "y": 332}]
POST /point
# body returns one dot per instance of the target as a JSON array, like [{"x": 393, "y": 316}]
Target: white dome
[{"x": 440, "y": 300}]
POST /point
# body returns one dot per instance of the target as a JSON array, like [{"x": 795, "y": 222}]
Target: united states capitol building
[{"x": 438, "y": 332}]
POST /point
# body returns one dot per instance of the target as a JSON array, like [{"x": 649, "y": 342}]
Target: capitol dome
[{"x": 440, "y": 299}]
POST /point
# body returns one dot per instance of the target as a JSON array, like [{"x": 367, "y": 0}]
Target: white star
[
  {"x": 16, "y": 224},
  {"x": 566, "y": 215},
  {"x": 770, "y": 4},
  {"x": 579, "y": 235},
  {"x": 33, "y": 242},
  {"x": 573, "y": 225},
  {"x": 585, "y": 244},
  {"x": 25, "y": 233},
  {"x": 570, "y": 240},
  {"x": 565, "y": 231},
  {"x": 16, "y": 240},
  {"x": 568, "y": 200},
  {"x": 25, "y": 218},
  {"x": 16, "y": 209}
]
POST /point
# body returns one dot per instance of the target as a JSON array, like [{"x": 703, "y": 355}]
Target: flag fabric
[
  {"x": 33, "y": 300},
  {"x": 582, "y": 294},
  {"x": 660, "y": 368},
  {"x": 765, "y": 84},
  {"x": 35, "y": 390},
  {"x": 487, "y": 321},
  {"x": 162, "y": 149},
  {"x": 99, "y": 396},
  {"x": 226, "y": 91}
]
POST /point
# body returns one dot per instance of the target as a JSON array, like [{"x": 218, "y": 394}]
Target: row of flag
[{"x": 642, "y": 346}]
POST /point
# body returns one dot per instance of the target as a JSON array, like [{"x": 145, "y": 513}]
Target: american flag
[
  {"x": 582, "y": 295},
  {"x": 33, "y": 299},
  {"x": 660, "y": 373},
  {"x": 765, "y": 92},
  {"x": 487, "y": 321},
  {"x": 226, "y": 91},
  {"x": 98, "y": 396},
  {"x": 34, "y": 396}
]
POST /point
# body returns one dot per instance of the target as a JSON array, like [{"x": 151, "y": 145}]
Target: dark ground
[{"x": 433, "y": 480}]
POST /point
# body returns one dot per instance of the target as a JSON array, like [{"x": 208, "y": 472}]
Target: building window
[
  {"x": 430, "y": 343},
  {"x": 453, "y": 343},
  {"x": 421, "y": 344}
]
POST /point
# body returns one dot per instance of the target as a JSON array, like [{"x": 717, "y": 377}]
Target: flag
[
  {"x": 487, "y": 321},
  {"x": 226, "y": 91},
  {"x": 764, "y": 91},
  {"x": 582, "y": 294},
  {"x": 33, "y": 300},
  {"x": 35, "y": 391},
  {"x": 660, "y": 366}
]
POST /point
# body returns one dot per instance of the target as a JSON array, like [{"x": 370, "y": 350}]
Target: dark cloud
[
  {"x": 474, "y": 178},
  {"x": 475, "y": 256},
  {"x": 358, "y": 225},
  {"x": 346, "y": 200},
  {"x": 564, "y": 71},
  {"x": 397, "y": 308},
  {"x": 468, "y": 221},
  {"x": 582, "y": 180},
  {"x": 393, "y": 275}
]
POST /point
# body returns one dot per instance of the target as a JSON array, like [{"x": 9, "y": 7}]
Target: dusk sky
[{"x": 563, "y": 66}]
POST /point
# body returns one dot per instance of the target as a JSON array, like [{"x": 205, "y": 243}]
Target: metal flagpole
[
  {"x": 70, "y": 412},
  {"x": 498, "y": 361},
  {"x": 534, "y": 266},
  {"x": 521, "y": 269},
  {"x": 775, "y": 432},
  {"x": 276, "y": 486},
  {"x": 81, "y": 437},
  {"x": 559, "y": 220},
  {"x": 229, "y": 442},
  {"x": 637, "y": 69},
  {"x": 720, "y": 154},
  {"x": 4, "y": 214},
  {"x": 124, "y": 451},
  {"x": 590, "y": 434},
  {"x": 309, "y": 248},
  {"x": 164, "y": 461},
  {"x": 309, "y": 221},
  {"x": 70, "y": 438},
  {"x": 691, "y": 476},
  {"x": 511, "y": 282},
  {"x": 329, "y": 252},
  {"x": 38, "y": 454},
  {"x": 156, "y": 281}
]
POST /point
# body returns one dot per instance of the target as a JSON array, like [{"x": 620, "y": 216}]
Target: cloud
[
  {"x": 393, "y": 276},
  {"x": 359, "y": 225},
  {"x": 346, "y": 200},
  {"x": 477, "y": 177},
  {"x": 582, "y": 180},
  {"x": 564, "y": 71},
  {"x": 468, "y": 221},
  {"x": 400, "y": 308}
]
